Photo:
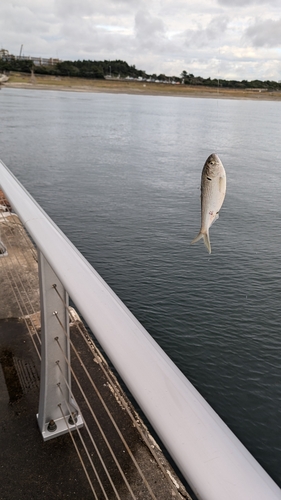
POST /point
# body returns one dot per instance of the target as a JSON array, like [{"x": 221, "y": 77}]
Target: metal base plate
[{"x": 61, "y": 427}]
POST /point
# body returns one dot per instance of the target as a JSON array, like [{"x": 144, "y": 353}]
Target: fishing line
[{"x": 217, "y": 107}]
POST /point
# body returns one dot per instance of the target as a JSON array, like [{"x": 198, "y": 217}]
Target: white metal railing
[{"x": 215, "y": 463}]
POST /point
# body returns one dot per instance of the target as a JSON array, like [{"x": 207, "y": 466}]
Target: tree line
[
  {"x": 82, "y": 69},
  {"x": 121, "y": 69},
  {"x": 190, "y": 79}
]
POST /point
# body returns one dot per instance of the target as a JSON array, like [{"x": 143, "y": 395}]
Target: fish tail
[
  {"x": 198, "y": 237},
  {"x": 206, "y": 239},
  {"x": 207, "y": 242}
]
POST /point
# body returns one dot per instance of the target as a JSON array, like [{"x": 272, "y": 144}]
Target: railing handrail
[{"x": 215, "y": 463}]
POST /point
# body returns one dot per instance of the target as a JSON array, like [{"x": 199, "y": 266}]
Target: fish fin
[
  {"x": 206, "y": 239},
  {"x": 207, "y": 242},
  {"x": 198, "y": 237},
  {"x": 216, "y": 218}
]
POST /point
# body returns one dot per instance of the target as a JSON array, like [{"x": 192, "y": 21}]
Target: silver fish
[{"x": 213, "y": 188}]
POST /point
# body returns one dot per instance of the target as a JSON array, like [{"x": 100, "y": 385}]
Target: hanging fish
[{"x": 213, "y": 188}]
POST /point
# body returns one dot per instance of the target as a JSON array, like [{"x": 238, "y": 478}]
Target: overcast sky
[{"x": 232, "y": 39}]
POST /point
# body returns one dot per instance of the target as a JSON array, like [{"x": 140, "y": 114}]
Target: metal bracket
[{"x": 58, "y": 412}]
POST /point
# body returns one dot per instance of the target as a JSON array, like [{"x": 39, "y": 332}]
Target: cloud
[
  {"x": 26, "y": 23},
  {"x": 150, "y": 34},
  {"x": 86, "y": 8},
  {"x": 245, "y": 3},
  {"x": 205, "y": 37},
  {"x": 148, "y": 26},
  {"x": 265, "y": 33},
  {"x": 232, "y": 38}
]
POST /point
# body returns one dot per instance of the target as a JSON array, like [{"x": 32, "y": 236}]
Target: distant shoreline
[{"x": 72, "y": 84}]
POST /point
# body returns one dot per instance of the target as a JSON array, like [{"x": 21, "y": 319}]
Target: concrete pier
[{"x": 120, "y": 457}]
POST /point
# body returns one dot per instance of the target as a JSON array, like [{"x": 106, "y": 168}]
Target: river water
[{"x": 120, "y": 175}]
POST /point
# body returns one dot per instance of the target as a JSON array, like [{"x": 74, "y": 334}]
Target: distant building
[
  {"x": 38, "y": 61},
  {"x": 3, "y": 53}
]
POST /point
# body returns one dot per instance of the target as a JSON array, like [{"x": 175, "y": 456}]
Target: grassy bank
[{"x": 47, "y": 82}]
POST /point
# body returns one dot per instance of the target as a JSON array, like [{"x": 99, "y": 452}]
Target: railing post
[{"x": 57, "y": 410}]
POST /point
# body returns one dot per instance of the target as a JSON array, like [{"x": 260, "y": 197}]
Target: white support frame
[
  {"x": 55, "y": 381},
  {"x": 214, "y": 462}
]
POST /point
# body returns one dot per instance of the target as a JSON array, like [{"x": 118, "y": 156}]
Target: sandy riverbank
[{"x": 72, "y": 84}]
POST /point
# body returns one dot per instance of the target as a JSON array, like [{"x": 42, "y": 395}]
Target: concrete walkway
[{"x": 122, "y": 459}]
